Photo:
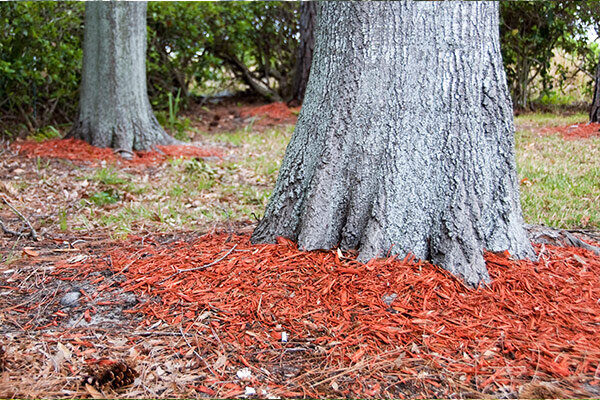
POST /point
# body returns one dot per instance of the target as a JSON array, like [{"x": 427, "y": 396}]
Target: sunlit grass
[
  {"x": 548, "y": 119},
  {"x": 190, "y": 194},
  {"x": 560, "y": 183},
  {"x": 560, "y": 177}
]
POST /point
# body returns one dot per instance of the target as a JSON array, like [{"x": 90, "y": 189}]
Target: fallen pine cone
[
  {"x": 114, "y": 376},
  {"x": 541, "y": 390}
]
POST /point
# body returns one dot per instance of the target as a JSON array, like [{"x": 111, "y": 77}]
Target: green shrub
[
  {"x": 45, "y": 133},
  {"x": 207, "y": 46},
  {"x": 40, "y": 60}
]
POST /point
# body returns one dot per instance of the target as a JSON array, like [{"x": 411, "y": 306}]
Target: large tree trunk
[
  {"x": 405, "y": 141},
  {"x": 114, "y": 110},
  {"x": 308, "y": 16},
  {"x": 595, "y": 109}
]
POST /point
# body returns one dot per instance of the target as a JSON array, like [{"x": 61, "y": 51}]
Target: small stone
[
  {"x": 388, "y": 299},
  {"x": 70, "y": 299},
  {"x": 250, "y": 391}
]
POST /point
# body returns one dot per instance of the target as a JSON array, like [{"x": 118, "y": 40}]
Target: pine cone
[
  {"x": 114, "y": 376},
  {"x": 2, "y": 359}
]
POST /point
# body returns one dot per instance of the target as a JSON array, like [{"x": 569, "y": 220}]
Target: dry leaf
[
  {"x": 221, "y": 361},
  {"x": 30, "y": 252},
  {"x": 93, "y": 392},
  {"x": 65, "y": 352}
]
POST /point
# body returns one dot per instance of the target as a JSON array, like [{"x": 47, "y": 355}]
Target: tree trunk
[
  {"x": 595, "y": 109},
  {"x": 308, "y": 15},
  {"x": 405, "y": 142},
  {"x": 114, "y": 109}
]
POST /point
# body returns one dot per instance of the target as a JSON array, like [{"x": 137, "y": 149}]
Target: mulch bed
[
  {"x": 230, "y": 116},
  {"x": 367, "y": 330},
  {"x": 577, "y": 131},
  {"x": 274, "y": 113},
  {"x": 81, "y": 151}
]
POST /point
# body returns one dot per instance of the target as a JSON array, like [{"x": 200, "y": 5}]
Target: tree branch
[{"x": 32, "y": 232}]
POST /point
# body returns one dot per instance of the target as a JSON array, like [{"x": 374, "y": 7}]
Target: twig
[
  {"x": 179, "y": 271},
  {"x": 33, "y": 233},
  {"x": 8, "y": 231},
  {"x": 195, "y": 352}
]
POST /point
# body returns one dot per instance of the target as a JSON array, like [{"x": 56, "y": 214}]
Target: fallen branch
[
  {"x": 179, "y": 271},
  {"x": 8, "y": 231},
  {"x": 32, "y": 232}
]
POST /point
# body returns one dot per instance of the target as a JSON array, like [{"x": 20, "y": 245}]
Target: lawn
[{"x": 560, "y": 178}]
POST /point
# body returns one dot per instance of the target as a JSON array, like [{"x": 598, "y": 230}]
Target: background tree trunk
[
  {"x": 308, "y": 16},
  {"x": 595, "y": 108},
  {"x": 114, "y": 109},
  {"x": 405, "y": 142}
]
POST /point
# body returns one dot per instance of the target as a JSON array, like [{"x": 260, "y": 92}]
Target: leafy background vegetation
[{"x": 205, "y": 48}]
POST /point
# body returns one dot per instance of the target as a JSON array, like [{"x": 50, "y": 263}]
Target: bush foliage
[
  {"x": 40, "y": 60},
  {"x": 193, "y": 48},
  {"x": 200, "y": 48}
]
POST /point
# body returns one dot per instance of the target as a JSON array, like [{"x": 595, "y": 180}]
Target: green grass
[
  {"x": 560, "y": 178},
  {"x": 187, "y": 194},
  {"x": 561, "y": 186},
  {"x": 548, "y": 119}
]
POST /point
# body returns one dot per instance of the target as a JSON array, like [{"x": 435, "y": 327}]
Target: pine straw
[
  {"x": 535, "y": 321},
  {"x": 80, "y": 151}
]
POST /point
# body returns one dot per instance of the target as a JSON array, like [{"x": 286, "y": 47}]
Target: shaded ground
[
  {"x": 81, "y": 152},
  {"x": 230, "y": 115},
  {"x": 304, "y": 324},
  {"x": 79, "y": 298}
]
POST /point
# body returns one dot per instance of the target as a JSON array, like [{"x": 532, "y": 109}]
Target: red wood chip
[{"x": 535, "y": 319}]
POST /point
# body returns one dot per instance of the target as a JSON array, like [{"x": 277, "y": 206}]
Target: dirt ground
[{"x": 76, "y": 301}]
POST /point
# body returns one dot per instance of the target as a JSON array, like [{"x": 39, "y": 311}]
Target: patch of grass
[
  {"x": 105, "y": 197},
  {"x": 193, "y": 193},
  {"x": 62, "y": 220},
  {"x": 108, "y": 176},
  {"x": 560, "y": 178},
  {"x": 45, "y": 133},
  {"x": 549, "y": 119}
]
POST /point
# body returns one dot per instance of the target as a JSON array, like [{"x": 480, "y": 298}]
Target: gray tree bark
[
  {"x": 595, "y": 107},
  {"x": 308, "y": 16},
  {"x": 114, "y": 109},
  {"x": 405, "y": 142}
]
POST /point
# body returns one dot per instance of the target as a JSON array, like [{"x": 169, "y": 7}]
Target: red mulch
[
  {"x": 80, "y": 151},
  {"x": 577, "y": 131},
  {"x": 536, "y": 320},
  {"x": 273, "y": 112}
]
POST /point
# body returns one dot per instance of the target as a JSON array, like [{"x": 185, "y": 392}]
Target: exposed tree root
[{"x": 562, "y": 237}]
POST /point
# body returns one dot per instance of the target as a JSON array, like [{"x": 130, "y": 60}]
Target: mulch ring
[
  {"x": 83, "y": 152},
  {"x": 230, "y": 116},
  {"x": 273, "y": 113},
  {"x": 576, "y": 131},
  {"x": 388, "y": 328}
]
